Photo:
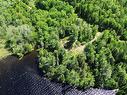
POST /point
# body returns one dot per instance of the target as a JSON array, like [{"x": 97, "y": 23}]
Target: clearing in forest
[{"x": 80, "y": 48}]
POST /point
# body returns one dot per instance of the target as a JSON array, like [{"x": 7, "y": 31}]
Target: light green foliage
[
  {"x": 21, "y": 39},
  {"x": 107, "y": 59},
  {"x": 61, "y": 29},
  {"x": 52, "y": 21},
  {"x": 73, "y": 69},
  {"x": 108, "y": 14}
]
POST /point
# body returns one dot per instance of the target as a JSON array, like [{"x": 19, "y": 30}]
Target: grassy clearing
[
  {"x": 80, "y": 48},
  {"x": 3, "y": 52}
]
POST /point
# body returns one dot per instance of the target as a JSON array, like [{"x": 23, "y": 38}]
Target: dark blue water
[{"x": 23, "y": 77}]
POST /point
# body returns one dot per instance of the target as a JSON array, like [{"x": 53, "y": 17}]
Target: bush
[{"x": 60, "y": 29}]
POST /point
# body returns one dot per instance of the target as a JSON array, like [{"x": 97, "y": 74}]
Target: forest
[{"x": 82, "y": 43}]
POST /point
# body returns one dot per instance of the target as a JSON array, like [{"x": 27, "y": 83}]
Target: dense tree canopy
[{"x": 79, "y": 42}]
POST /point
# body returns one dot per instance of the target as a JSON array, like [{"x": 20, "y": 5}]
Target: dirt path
[
  {"x": 80, "y": 49},
  {"x": 63, "y": 41}
]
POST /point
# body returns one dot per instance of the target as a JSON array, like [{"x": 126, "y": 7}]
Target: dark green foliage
[
  {"x": 41, "y": 25},
  {"x": 120, "y": 76},
  {"x": 53, "y": 21},
  {"x": 72, "y": 69},
  {"x": 108, "y": 60},
  {"x": 108, "y": 14},
  {"x": 86, "y": 31},
  {"x": 61, "y": 29}
]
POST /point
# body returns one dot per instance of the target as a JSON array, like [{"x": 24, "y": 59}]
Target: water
[
  {"x": 23, "y": 77},
  {"x": 12, "y": 69}
]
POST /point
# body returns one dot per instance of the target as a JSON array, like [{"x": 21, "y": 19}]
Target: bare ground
[{"x": 81, "y": 48}]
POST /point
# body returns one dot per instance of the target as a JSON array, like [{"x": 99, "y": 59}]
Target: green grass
[{"x": 3, "y": 52}]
